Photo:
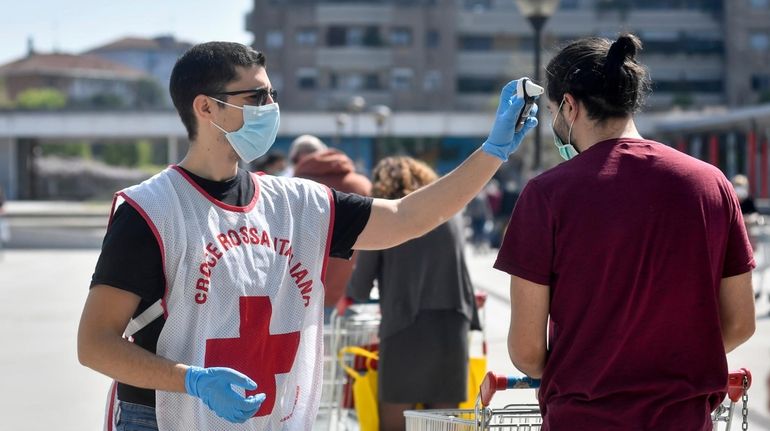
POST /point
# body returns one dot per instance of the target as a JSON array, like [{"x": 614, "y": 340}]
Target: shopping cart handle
[
  {"x": 735, "y": 388},
  {"x": 493, "y": 383}
]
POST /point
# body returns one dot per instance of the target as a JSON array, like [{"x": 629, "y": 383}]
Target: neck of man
[
  {"x": 610, "y": 129},
  {"x": 211, "y": 159}
]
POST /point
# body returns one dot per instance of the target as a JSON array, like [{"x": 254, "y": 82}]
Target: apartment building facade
[{"x": 455, "y": 54}]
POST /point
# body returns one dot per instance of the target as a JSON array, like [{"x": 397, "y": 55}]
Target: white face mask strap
[
  {"x": 215, "y": 125},
  {"x": 558, "y": 111},
  {"x": 228, "y": 104}
]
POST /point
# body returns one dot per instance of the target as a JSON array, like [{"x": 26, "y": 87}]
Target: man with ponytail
[{"x": 630, "y": 264}]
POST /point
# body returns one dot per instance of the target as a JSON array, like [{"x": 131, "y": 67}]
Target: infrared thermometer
[{"x": 529, "y": 91}]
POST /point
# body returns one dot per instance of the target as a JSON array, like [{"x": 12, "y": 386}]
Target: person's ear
[
  {"x": 571, "y": 108},
  {"x": 204, "y": 107}
]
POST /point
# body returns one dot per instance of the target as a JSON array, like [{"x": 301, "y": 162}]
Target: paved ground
[{"x": 44, "y": 387}]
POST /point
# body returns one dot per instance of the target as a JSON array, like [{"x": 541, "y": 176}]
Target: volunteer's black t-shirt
[{"x": 131, "y": 259}]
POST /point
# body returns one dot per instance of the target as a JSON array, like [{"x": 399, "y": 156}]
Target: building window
[
  {"x": 432, "y": 39},
  {"x": 274, "y": 39},
  {"x": 432, "y": 80},
  {"x": 336, "y": 36},
  {"x": 477, "y": 85},
  {"x": 352, "y": 82},
  {"x": 477, "y": 5},
  {"x": 372, "y": 82},
  {"x": 760, "y": 82},
  {"x": 689, "y": 86},
  {"x": 569, "y": 4},
  {"x": 759, "y": 4},
  {"x": 759, "y": 41},
  {"x": 400, "y": 36},
  {"x": 307, "y": 78},
  {"x": 355, "y": 36},
  {"x": 476, "y": 43},
  {"x": 334, "y": 81},
  {"x": 401, "y": 79},
  {"x": 307, "y": 37}
]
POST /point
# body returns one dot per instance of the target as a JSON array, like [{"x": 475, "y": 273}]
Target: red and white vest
[{"x": 244, "y": 289}]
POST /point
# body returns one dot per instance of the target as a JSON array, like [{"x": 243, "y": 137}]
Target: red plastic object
[
  {"x": 343, "y": 304},
  {"x": 735, "y": 384},
  {"x": 481, "y": 298},
  {"x": 491, "y": 384}
]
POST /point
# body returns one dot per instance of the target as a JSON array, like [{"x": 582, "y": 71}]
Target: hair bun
[{"x": 624, "y": 48}]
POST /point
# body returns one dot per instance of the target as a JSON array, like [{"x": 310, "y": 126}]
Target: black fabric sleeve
[
  {"x": 351, "y": 213},
  {"x": 130, "y": 259}
]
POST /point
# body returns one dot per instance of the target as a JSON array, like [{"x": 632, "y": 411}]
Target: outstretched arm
[{"x": 393, "y": 222}]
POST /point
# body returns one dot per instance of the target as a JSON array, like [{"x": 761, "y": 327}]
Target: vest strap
[{"x": 148, "y": 316}]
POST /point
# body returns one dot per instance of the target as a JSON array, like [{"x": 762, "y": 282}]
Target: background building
[
  {"x": 84, "y": 80},
  {"x": 155, "y": 57},
  {"x": 455, "y": 54}
]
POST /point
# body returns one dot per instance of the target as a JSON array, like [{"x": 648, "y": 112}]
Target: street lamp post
[
  {"x": 356, "y": 104},
  {"x": 537, "y": 12},
  {"x": 381, "y": 115}
]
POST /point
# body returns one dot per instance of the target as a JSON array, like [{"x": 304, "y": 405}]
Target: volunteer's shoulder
[{"x": 292, "y": 187}]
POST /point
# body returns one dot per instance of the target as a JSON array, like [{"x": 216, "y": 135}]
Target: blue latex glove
[
  {"x": 212, "y": 386},
  {"x": 503, "y": 140}
]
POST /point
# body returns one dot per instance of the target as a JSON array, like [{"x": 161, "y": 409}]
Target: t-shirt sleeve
[
  {"x": 527, "y": 250},
  {"x": 130, "y": 259},
  {"x": 739, "y": 256},
  {"x": 351, "y": 214}
]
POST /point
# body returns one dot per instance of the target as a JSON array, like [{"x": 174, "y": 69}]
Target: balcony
[
  {"x": 354, "y": 58},
  {"x": 354, "y": 14}
]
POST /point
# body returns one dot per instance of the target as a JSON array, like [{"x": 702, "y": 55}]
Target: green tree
[
  {"x": 41, "y": 98},
  {"x": 106, "y": 101},
  {"x": 81, "y": 150}
]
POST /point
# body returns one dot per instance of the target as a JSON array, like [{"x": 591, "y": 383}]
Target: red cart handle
[
  {"x": 493, "y": 383},
  {"x": 343, "y": 304},
  {"x": 735, "y": 387},
  {"x": 481, "y": 298}
]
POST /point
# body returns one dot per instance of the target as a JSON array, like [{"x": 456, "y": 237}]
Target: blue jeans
[{"x": 135, "y": 417}]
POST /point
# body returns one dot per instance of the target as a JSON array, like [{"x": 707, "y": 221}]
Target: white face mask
[
  {"x": 566, "y": 151},
  {"x": 257, "y": 135},
  {"x": 742, "y": 192}
]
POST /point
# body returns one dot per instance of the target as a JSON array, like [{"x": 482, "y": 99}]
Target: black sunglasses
[{"x": 260, "y": 94}]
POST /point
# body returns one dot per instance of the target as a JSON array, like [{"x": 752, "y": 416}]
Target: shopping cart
[
  {"x": 350, "y": 325},
  {"x": 527, "y": 416}
]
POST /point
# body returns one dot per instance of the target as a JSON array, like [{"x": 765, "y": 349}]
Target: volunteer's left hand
[{"x": 503, "y": 139}]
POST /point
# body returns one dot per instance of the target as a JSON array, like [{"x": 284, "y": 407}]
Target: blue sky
[{"x": 76, "y": 25}]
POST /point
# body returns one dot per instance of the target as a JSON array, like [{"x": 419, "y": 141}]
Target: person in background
[
  {"x": 5, "y": 231},
  {"x": 741, "y": 186},
  {"x": 273, "y": 163},
  {"x": 630, "y": 265},
  {"x": 313, "y": 160},
  {"x": 427, "y": 305}
]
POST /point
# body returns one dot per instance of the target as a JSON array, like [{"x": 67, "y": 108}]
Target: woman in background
[{"x": 427, "y": 305}]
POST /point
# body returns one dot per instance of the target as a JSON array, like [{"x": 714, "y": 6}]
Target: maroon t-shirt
[{"x": 633, "y": 238}]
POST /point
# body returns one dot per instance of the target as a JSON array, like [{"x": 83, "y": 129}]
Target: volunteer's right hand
[{"x": 212, "y": 386}]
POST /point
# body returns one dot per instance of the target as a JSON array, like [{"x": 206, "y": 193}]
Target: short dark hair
[
  {"x": 602, "y": 74},
  {"x": 207, "y": 68}
]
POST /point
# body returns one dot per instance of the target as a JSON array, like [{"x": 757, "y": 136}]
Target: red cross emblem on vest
[{"x": 256, "y": 353}]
